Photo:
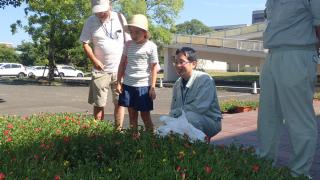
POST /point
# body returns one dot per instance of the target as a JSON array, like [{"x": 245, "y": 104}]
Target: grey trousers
[
  {"x": 287, "y": 84},
  {"x": 210, "y": 127}
]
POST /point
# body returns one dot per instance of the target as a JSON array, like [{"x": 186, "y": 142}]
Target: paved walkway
[{"x": 241, "y": 128}]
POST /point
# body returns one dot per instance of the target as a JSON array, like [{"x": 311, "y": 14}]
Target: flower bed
[
  {"x": 74, "y": 146},
  {"x": 236, "y": 106}
]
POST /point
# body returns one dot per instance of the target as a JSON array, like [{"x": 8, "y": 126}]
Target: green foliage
[
  {"x": 8, "y": 54},
  {"x": 230, "y": 106},
  {"x": 193, "y": 27},
  {"x": 161, "y": 15},
  {"x": 14, "y": 3},
  {"x": 55, "y": 28},
  {"x": 236, "y": 76},
  {"x": 32, "y": 54},
  {"x": 74, "y": 146}
]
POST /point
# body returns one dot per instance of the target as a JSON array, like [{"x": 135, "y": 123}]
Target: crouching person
[{"x": 195, "y": 93}]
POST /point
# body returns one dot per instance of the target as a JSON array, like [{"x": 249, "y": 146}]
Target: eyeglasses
[{"x": 180, "y": 63}]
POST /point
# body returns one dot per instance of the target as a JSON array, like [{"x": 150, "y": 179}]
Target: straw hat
[
  {"x": 100, "y": 6},
  {"x": 139, "y": 21}
]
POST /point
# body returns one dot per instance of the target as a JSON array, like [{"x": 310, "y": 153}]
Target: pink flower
[
  {"x": 36, "y": 157},
  {"x": 9, "y": 139},
  {"x": 57, "y": 177},
  {"x": 2, "y": 176},
  {"x": 37, "y": 129},
  {"x": 6, "y": 132},
  {"x": 208, "y": 169},
  {"x": 66, "y": 139},
  {"x": 178, "y": 168},
  {"x": 255, "y": 168},
  {"x": 10, "y": 126}
]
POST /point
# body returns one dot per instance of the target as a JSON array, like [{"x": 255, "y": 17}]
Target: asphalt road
[{"x": 33, "y": 99}]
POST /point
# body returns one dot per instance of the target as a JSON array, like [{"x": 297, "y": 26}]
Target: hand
[
  {"x": 152, "y": 93},
  {"x": 98, "y": 65},
  {"x": 119, "y": 88}
]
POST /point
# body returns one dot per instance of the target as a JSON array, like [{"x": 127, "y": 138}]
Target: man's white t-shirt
[{"x": 107, "y": 39}]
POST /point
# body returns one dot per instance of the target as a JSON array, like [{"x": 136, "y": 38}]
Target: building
[
  {"x": 9, "y": 45},
  {"x": 258, "y": 16}
]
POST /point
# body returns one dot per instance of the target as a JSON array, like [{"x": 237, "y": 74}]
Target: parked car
[
  {"x": 12, "y": 69},
  {"x": 37, "y": 71},
  {"x": 68, "y": 71}
]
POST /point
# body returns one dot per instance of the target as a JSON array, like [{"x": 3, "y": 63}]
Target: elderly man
[
  {"x": 288, "y": 79},
  {"x": 104, "y": 30}
]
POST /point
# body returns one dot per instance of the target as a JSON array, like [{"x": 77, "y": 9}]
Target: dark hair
[{"x": 188, "y": 52}]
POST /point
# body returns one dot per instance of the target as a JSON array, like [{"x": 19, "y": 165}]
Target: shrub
[
  {"x": 74, "y": 146},
  {"x": 230, "y": 106}
]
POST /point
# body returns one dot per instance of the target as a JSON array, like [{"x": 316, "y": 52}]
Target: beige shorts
[{"x": 101, "y": 83}]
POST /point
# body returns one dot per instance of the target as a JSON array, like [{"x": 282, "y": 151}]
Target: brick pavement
[{"x": 241, "y": 129}]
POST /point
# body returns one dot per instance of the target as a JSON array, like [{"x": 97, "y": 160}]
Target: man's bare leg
[
  {"x": 118, "y": 116},
  {"x": 98, "y": 113}
]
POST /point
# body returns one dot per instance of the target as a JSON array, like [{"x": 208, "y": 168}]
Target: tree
[
  {"x": 161, "y": 15},
  {"x": 55, "y": 26},
  {"x": 8, "y": 54},
  {"x": 32, "y": 54},
  {"x": 193, "y": 27},
  {"x": 14, "y": 3}
]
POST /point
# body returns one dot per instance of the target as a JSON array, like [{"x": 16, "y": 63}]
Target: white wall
[{"x": 212, "y": 65}]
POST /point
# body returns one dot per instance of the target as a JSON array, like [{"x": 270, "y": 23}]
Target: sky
[{"x": 209, "y": 12}]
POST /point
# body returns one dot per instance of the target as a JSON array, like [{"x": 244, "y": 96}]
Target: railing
[
  {"x": 249, "y": 45},
  {"x": 238, "y": 31}
]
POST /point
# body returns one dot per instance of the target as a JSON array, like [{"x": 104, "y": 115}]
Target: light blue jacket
[
  {"x": 291, "y": 23},
  {"x": 200, "y": 97}
]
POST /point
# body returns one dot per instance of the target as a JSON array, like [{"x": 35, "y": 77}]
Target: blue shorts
[{"x": 136, "y": 97}]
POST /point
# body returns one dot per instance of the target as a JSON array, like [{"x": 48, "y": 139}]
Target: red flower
[
  {"x": 9, "y": 126},
  {"x": 9, "y": 139},
  {"x": 208, "y": 169},
  {"x": 255, "y": 168},
  {"x": 2, "y": 176},
  {"x": 6, "y": 132},
  {"x": 57, "y": 177}
]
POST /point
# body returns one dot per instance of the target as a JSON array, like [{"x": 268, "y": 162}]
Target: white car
[
  {"x": 37, "y": 71},
  {"x": 68, "y": 71},
  {"x": 12, "y": 69}
]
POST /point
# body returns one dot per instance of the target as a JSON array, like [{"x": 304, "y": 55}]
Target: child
[{"x": 138, "y": 69}]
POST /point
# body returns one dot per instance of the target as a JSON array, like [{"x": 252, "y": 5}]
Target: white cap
[{"x": 100, "y": 6}]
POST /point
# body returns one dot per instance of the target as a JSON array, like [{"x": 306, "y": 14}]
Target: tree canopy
[
  {"x": 193, "y": 27},
  {"x": 161, "y": 15},
  {"x": 7, "y": 54}
]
